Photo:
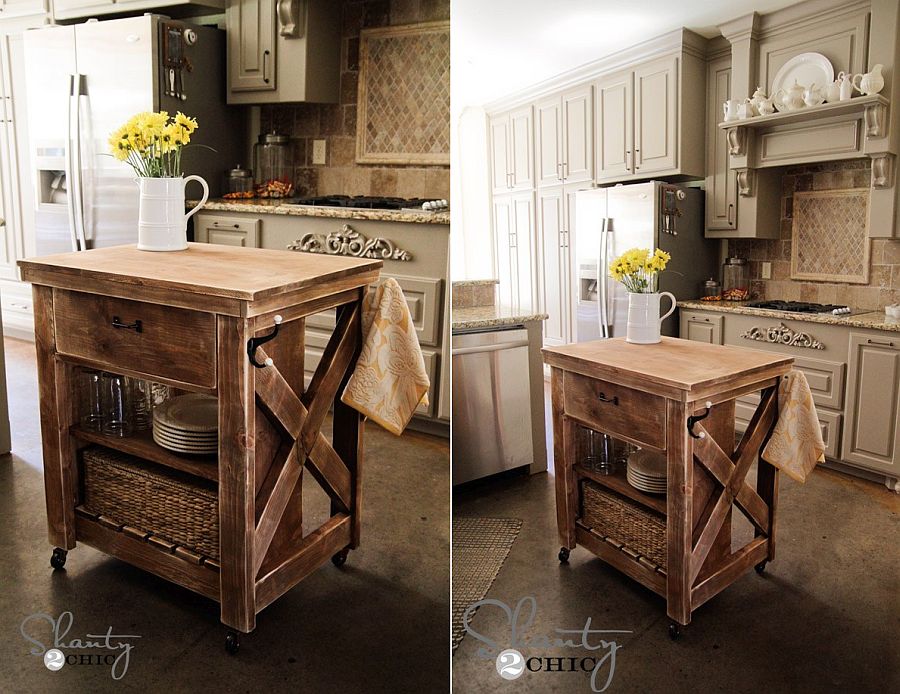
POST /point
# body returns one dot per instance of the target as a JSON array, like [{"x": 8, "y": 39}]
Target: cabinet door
[
  {"x": 656, "y": 116},
  {"x": 613, "y": 104},
  {"x": 251, "y": 45},
  {"x": 554, "y": 264},
  {"x": 521, "y": 149},
  {"x": 702, "y": 328},
  {"x": 578, "y": 135},
  {"x": 16, "y": 196},
  {"x": 523, "y": 239},
  {"x": 873, "y": 403},
  {"x": 24, "y": 8},
  {"x": 721, "y": 181},
  {"x": 500, "y": 169},
  {"x": 548, "y": 142},
  {"x": 503, "y": 244},
  {"x": 227, "y": 231}
]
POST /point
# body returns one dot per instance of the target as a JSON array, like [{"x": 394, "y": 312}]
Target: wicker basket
[
  {"x": 619, "y": 518},
  {"x": 131, "y": 491}
]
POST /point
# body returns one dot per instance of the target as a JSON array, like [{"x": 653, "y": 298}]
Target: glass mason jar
[
  {"x": 274, "y": 166},
  {"x": 90, "y": 399},
  {"x": 118, "y": 408}
]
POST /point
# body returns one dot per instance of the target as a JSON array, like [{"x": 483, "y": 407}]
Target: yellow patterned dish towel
[
  {"x": 390, "y": 379},
  {"x": 796, "y": 443}
]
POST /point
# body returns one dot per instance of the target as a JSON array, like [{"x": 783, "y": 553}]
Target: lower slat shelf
[
  {"x": 163, "y": 560},
  {"x": 619, "y": 483},
  {"x": 616, "y": 554}
]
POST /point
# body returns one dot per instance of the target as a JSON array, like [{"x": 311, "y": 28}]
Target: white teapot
[
  {"x": 813, "y": 96},
  {"x": 766, "y": 107},
  {"x": 870, "y": 83},
  {"x": 759, "y": 96},
  {"x": 789, "y": 99}
]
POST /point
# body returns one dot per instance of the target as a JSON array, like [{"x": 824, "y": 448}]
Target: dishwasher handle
[{"x": 489, "y": 348}]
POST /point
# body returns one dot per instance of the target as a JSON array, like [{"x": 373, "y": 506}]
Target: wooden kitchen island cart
[
  {"x": 227, "y": 322},
  {"x": 676, "y": 397}
]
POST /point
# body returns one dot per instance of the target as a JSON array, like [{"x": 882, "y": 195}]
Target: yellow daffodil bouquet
[
  {"x": 151, "y": 143},
  {"x": 638, "y": 269}
]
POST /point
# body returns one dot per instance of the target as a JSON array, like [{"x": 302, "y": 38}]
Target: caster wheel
[
  {"x": 563, "y": 555},
  {"x": 674, "y": 630},
  {"x": 232, "y": 642},
  {"x": 58, "y": 559},
  {"x": 760, "y": 568},
  {"x": 340, "y": 558}
]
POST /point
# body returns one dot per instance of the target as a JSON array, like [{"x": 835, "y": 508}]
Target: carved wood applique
[
  {"x": 347, "y": 241},
  {"x": 782, "y": 335}
]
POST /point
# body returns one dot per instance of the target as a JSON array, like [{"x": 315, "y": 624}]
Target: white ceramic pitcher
[
  {"x": 644, "y": 321},
  {"x": 162, "y": 222}
]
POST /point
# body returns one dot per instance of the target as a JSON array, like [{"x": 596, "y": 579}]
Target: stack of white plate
[
  {"x": 647, "y": 471},
  {"x": 187, "y": 424}
]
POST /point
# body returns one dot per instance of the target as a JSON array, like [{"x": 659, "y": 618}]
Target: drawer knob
[
  {"x": 614, "y": 399},
  {"x": 136, "y": 326}
]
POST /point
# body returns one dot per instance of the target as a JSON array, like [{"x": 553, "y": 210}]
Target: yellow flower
[{"x": 185, "y": 122}]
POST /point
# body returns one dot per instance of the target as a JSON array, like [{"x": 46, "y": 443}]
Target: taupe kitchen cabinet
[
  {"x": 21, "y": 8},
  {"x": 701, "y": 328},
  {"x": 512, "y": 150},
  {"x": 514, "y": 236},
  {"x": 721, "y": 179},
  {"x": 871, "y": 431},
  {"x": 283, "y": 51},
  {"x": 564, "y": 137},
  {"x": 556, "y": 219},
  {"x": 84, "y": 9},
  {"x": 228, "y": 231},
  {"x": 647, "y": 118}
]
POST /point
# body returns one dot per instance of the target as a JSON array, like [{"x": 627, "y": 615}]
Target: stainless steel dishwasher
[{"x": 491, "y": 402}]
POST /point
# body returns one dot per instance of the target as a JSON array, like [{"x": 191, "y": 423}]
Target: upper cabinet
[
  {"x": 721, "y": 179},
  {"x": 564, "y": 141},
  {"x": 21, "y": 8},
  {"x": 284, "y": 51},
  {"x": 83, "y": 9},
  {"x": 647, "y": 118},
  {"x": 512, "y": 151}
]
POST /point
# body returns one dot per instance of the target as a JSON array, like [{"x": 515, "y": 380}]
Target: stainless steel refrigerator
[
  {"x": 647, "y": 215},
  {"x": 84, "y": 81}
]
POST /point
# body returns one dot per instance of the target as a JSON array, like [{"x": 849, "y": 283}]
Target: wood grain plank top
[
  {"x": 248, "y": 274},
  {"x": 671, "y": 365}
]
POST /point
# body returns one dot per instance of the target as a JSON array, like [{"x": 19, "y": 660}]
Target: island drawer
[
  {"x": 167, "y": 342},
  {"x": 615, "y": 409}
]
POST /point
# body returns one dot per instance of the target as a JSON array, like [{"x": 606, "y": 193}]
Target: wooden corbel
[{"x": 292, "y": 18}]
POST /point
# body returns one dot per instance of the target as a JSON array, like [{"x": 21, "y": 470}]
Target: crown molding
[
  {"x": 741, "y": 28},
  {"x": 679, "y": 40}
]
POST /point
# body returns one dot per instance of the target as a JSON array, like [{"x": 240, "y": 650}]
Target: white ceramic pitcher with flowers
[
  {"x": 151, "y": 143},
  {"x": 638, "y": 269}
]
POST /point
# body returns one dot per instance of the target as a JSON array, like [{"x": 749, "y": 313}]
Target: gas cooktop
[
  {"x": 800, "y": 307},
  {"x": 361, "y": 202}
]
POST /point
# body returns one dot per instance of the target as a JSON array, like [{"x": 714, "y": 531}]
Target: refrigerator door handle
[
  {"x": 70, "y": 176},
  {"x": 602, "y": 281},
  {"x": 75, "y": 190}
]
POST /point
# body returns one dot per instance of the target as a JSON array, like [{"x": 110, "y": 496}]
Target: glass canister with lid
[
  {"x": 274, "y": 166},
  {"x": 238, "y": 183},
  {"x": 735, "y": 279}
]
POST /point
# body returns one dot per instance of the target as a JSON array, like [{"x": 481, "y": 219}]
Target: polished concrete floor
[
  {"x": 379, "y": 624},
  {"x": 824, "y": 617}
]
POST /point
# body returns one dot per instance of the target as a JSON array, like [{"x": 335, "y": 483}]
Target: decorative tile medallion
[
  {"x": 830, "y": 239},
  {"x": 403, "y": 112}
]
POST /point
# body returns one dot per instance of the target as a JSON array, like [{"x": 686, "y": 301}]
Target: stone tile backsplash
[
  {"x": 336, "y": 123},
  {"x": 884, "y": 276}
]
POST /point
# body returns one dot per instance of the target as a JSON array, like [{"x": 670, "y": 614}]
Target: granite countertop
[
  {"x": 475, "y": 283},
  {"x": 479, "y": 317},
  {"x": 873, "y": 320},
  {"x": 279, "y": 207}
]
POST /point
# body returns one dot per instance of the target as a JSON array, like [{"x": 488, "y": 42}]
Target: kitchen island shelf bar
[
  {"x": 198, "y": 310},
  {"x": 618, "y": 483},
  {"x": 142, "y": 445}
]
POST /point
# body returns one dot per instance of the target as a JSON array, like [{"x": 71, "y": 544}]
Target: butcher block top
[
  {"x": 206, "y": 275},
  {"x": 680, "y": 369}
]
